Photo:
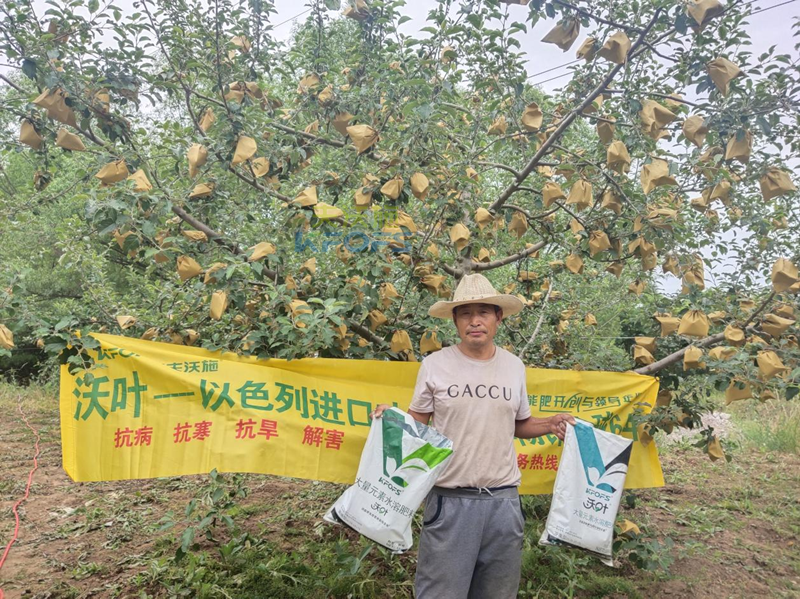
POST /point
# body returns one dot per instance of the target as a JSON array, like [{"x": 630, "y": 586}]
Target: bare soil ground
[{"x": 735, "y": 525}]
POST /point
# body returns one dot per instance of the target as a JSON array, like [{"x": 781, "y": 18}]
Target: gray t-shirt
[{"x": 475, "y": 404}]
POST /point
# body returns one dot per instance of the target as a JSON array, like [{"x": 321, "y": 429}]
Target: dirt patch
[
  {"x": 735, "y": 525},
  {"x": 721, "y": 422},
  {"x": 89, "y": 539},
  {"x": 727, "y": 544}
]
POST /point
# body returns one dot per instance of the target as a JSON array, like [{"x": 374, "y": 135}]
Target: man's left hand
[{"x": 558, "y": 424}]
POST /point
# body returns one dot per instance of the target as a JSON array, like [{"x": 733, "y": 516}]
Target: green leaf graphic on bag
[
  {"x": 423, "y": 459},
  {"x": 400, "y": 463}
]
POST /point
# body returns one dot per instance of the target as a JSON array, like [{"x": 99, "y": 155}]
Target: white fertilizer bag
[
  {"x": 399, "y": 465},
  {"x": 588, "y": 489}
]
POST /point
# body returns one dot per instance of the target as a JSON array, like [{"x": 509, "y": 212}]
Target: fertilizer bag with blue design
[
  {"x": 399, "y": 465},
  {"x": 588, "y": 489}
]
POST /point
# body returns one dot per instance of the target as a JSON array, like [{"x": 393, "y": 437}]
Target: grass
[
  {"x": 772, "y": 426},
  {"x": 724, "y": 529}
]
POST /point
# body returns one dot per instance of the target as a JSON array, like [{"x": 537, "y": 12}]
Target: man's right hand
[{"x": 379, "y": 410}]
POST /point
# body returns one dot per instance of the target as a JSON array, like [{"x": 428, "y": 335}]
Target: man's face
[{"x": 477, "y": 323}]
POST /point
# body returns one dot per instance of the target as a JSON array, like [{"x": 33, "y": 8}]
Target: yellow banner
[{"x": 156, "y": 409}]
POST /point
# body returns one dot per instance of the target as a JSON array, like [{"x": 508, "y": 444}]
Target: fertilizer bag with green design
[
  {"x": 401, "y": 461},
  {"x": 589, "y": 485}
]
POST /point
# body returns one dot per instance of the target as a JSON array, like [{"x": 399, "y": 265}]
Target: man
[{"x": 471, "y": 541}]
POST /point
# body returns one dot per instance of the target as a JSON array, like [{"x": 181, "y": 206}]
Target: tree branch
[
  {"x": 568, "y": 120},
  {"x": 538, "y": 324},
  {"x": 609, "y": 177},
  {"x": 364, "y": 332},
  {"x": 591, "y": 15},
  {"x": 530, "y": 189},
  {"x": 453, "y": 272},
  {"x": 210, "y": 233},
  {"x": 664, "y": 56},
  {"x": 678, "y": 355},
  {"x": 482, "y": 266},
  {"x": 605, "y": 120},
  {"x": 528, "y": 215},
  {"x": 655, "y": 95},
  {"x": 711, "y": 340},
  {"x": 504, "y": 167},
  {"x": 11, "y": 83}
]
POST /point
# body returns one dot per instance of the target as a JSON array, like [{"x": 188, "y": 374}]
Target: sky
[
  {"x": 767, "y": 28},
  {"x": 771, "y": 27}
]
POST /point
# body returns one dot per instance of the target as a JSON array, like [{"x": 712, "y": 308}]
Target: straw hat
[{"x": 476, "y": 289}]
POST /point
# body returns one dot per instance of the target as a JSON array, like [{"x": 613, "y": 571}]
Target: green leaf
[
  {"x": 682, "y": 23},
  {"x": 89, "y": 342},
  {"x": 94, "y": 5},
  {"x": 29, "y": 68},
  {"x": 63, "y": 323},
  {"x": 56, "y": 347},
  {"x": 186, "y": 539},
  {"x": 333, "y": 4}
]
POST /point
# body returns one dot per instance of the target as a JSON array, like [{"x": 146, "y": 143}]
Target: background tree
[{"x": 186, "y": 178}]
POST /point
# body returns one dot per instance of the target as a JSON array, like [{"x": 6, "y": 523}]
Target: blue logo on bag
[{"x": 599, "y": 474}]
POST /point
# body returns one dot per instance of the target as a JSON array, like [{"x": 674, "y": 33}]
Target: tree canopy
[{"x": 185, "y": 177}]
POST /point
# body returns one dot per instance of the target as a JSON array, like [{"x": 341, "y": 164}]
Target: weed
[
  {"x": 275, "y": 545},
  {"x": 691, "y": 548},
  {"x": 703, "y": 520},
  {"x": 217, "y": 503},
  {"x": 773, "y": 426},
  {"x": 63, "y": 590},
  {"x": 85, "y": 570},
  {"x": 646, "y": 553}
]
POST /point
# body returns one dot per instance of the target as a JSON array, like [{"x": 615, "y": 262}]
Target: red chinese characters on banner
[
  {"x": 181, "y": 434},
  {"x": 316, "y": 436},
  {"x": 244, "y": 429},
  {"x": 268, "y": 429},
  {"x": 202, "y": 430},
  {"x": 126, "y": 437},
  {"x": 537, "y": 462}
]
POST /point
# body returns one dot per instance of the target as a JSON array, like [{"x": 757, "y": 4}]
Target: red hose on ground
[{"x": 27, "y": 488}]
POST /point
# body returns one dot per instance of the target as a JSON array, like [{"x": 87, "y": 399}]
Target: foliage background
[{"x": 80, "y": 256}]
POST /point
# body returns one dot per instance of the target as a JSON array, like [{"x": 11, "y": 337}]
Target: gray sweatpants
[{"x": 471, "y": 545}]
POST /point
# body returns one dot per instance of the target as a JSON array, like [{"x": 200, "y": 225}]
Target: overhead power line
[
  {"x": 566, "y": 64},
  {"x": 292, "y": 19},
  {"x": 760, "y": 10},
  {"x": 755, "y": 12},
  {"x": 551, "y": 79}
]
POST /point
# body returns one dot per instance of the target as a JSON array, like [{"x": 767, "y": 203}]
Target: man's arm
[
  {"x": 422, "y": 398},
  {"x": 423, "y": 417},
  {"x": 538, "y": 427}
]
